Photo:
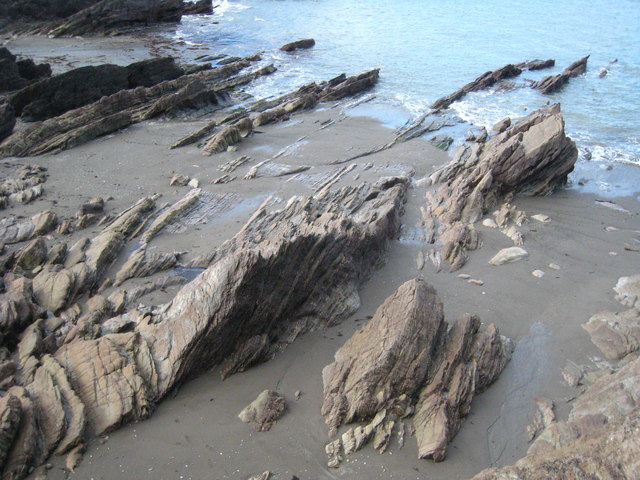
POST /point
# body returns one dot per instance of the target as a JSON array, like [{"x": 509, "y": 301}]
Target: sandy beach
[{"x": 195, "y": 432}]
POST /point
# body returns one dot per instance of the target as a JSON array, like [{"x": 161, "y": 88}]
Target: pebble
[
  {"x": 473, "y": 281},
  {"x": 194, "y": 183},
  {"x": 420, "y": 260},
  {"x": 554, "y": 266},
  {"x": 508, "y": 255},
  {"x": 538, "y": 273},
  {"x": 464, "y": 276},
  {"x": 613, "y": 254},
  {"x": 611, "y": 229}
]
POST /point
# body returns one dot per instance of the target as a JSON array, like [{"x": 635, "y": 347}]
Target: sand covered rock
[
  {"x": 402, "y": 361},
  {"x": 554, "y": 82},
  {"x": 264, "y": 411},
  {"x": 533, "y": 157}
]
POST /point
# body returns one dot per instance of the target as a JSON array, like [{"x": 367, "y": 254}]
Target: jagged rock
[
  {"x": 484, "y": 81},
  {"x": 615, "y": 334},
  {"x": 299, "y": 44},
  {"x": 536, "y": 64},
  {"x": 502, "y": 125},
  {"x": 176, "y": 210},
  {"x": 228, "y": 136},
  {"x": 179, "y": 180},
  {"x": 249, "y": 353},
  {"x": 24, "y": 452},
  {"x": 110, "y": 15},
  {"x": 469, "y": 361},
  {"x": 95, "y": 205},
  {"x": 7, "y": 120},
  {"x": 508, "y": 255},
  {"x": 141, "y": 264},
  {"x": 542, "y": 417},
  {"x": 264, "y": 411},
  {"x": 24, "y": 186},
  {"x": 628, "y": 291},
  {"x": 53, "y": 286},
  {"x": 533, "y": 157},
  {"x": 32, "y": 255},
  {"x": 404, "y": 351},
  {"x": 17, "y": 310},
  {"x": 10, "y": 415},
  {"x": 126, "y": 107},
  {"x": 389, "y": 357},
  {"x": 199, "y": 7},
  {"x": 554, "y": 82},
  {"x": 443, "y": 142}
]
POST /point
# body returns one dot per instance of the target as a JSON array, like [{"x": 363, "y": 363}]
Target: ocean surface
[{"x": 429, "y": 48}]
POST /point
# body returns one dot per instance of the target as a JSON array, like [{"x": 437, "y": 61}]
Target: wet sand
[{"x": 196, "y": 433}]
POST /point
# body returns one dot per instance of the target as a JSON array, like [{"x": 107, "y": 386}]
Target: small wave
[{"x": 224, "y": 6}]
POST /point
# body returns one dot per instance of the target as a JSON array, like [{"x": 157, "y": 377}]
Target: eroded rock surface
[
  {"x": 532, "y": 157},
  {"x": 404, "y": 361},
  {"x": 264, "y": 411}
]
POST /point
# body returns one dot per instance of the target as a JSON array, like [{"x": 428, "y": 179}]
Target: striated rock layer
[
  {"x": 284, "y": 273},
  {"x": 532, "y": 157},
  {"x": 406, "y": 360}
]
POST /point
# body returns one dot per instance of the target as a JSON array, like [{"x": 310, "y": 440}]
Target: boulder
[
  {"x": 628, "y": 291},
  {"x": 554, "y": 82},
  {"x": 10, "y": 78},
  {"x": 299, "y": 44},
  {"x": 30, "y": 71},
  {"x": 615, "y": 334},
  {"x": 533, "y": 157},
  {"x": 264, "y": 411}
]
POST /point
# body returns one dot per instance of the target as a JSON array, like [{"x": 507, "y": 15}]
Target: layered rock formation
[
  {"x": 406, "y": 361},
  {"x": 600, "y": 438},
  {"x": 129, "y": 106},
  {"x": 532, "y": 157},
  {"x": 554, "y": 82},
  {"x": 286, "y": 272},
  {"x": 299, "y": 44},
  {"x": 489, "y": 79},
  {"x": 15, "y": 74}
]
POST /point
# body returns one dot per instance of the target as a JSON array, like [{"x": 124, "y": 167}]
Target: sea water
[{"x": 426, "y": 49}]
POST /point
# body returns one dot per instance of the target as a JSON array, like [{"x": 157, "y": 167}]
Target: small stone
[
  {"x": 611, "y": 229},
  {"x": 538, "y": 273},
  {"x": 232, "y": 148},
  {"x": 179, "y": 180},
  {"x": 554, "y": 266},
  {"x": 508, "y": 255},
  {"x": 464, "y": 276},
  {"x": 420, "y": 260},
  {"x": 613, "y": 254},
  {"x": 264, "y": 411},
  {"x": 298, "y": 394},
  {"x": 193, "y": 183},
  {"x": 474, "y": 281},
  {"x": 489, "y": 222},
  {"x": 541, "y": 218}
]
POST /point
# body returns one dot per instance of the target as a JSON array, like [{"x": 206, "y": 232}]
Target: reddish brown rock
[{"x": 554, "y": 82}]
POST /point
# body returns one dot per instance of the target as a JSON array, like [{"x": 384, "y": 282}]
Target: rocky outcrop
[
  {"x": 15, "y": 74},
  {"x": 81, "y": 86},
  {"x": 43, "y": 10},
  {"x": 85, "y": 371},
  {"x": 532, "y": 157},
  {"x": 483, "y": 82},
  {"x": 299, "y": 44},
  {"x": 536, "y": 64},
  {"x": 554, "y": 82},
  {"x": 17, "y": 310},
  {"x": 628, "y": 291},
  {"x": 128, "y": 106},
  {"x": 404, "y": 361},
  {"x": 110, "y": 15},
  {"x": 264, "y": 411},
  {"x": 599, "y": 439}
]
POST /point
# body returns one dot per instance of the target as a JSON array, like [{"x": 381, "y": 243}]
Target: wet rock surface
[{"x": 554, "y": 82}]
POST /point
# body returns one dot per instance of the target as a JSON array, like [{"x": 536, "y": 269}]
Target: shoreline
[{"x": 511, "y": 297}]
